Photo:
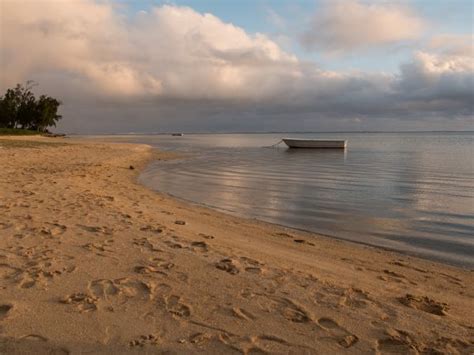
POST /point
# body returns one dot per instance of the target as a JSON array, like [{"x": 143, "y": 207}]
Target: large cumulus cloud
[
  {"x": 168, "y": 52},
  {"x": 174, "y": 68}
]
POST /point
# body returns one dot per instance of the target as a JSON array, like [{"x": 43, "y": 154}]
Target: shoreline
[
  {"x": 307, "y": 232},
  {"x": 411, "y": 253},
  {"x": 121, "y": 267},
  {"x": 314, "y": 233}
]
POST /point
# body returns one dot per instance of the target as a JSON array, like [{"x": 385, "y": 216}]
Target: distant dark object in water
[
  {"x": 131, "y": 167},
  {"x": 177, "y": 134}
]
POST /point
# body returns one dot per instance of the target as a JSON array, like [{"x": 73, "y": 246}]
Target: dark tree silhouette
[{"x": 19, "y": 108}]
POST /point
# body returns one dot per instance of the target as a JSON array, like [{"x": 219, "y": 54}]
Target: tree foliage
[{"x": 19, "y": 108}]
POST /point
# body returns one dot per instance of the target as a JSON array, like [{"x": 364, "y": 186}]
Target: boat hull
[{"x": 315, "y": 143}]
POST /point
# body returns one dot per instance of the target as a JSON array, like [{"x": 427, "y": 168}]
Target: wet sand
[{"x": 92, "y": 261}]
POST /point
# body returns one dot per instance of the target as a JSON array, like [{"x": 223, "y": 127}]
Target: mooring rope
[{"x": 273, "y": 145}]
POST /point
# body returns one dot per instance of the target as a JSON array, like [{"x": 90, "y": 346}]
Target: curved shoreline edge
[
  {"x": 430, "y": 257},
  {"x": 107, "y": 264},
  {"x": 310, "y": 233}
]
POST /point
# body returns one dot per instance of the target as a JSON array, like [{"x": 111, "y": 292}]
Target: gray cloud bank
[{"x": 175, "y": 69}]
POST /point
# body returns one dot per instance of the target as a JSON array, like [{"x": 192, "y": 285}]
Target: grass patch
[
  {"x": 17, "y": 132},
  {"x": 11, "y": 144}
]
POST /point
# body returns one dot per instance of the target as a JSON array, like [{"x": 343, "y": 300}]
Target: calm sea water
[{"x": 412, "y": 192}]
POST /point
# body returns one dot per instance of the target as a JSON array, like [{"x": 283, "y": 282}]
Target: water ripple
[{"x": 409, "y": 192}]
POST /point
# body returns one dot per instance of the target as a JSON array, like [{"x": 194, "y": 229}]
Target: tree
[
  {"x": 19, "y": 108},
  {"x": 27, "y": 107},
  {"x": 46, "y": 113},
  {"x": 9, "y": 107}
]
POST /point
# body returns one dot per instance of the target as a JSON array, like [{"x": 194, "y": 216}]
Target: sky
[{"x": 244, "y": 65}]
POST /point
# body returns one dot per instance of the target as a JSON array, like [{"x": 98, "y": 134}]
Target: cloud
[
  {"x": 437, "y": 82},
  {"x": 346, "y": 25},
  {"x": 172, "y": 68},
  {"x": 453, "y": 44},
  {"x": 169, "y": 52}
]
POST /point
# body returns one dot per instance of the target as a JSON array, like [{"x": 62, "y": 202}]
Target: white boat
[{"x": 315, "y": 143}]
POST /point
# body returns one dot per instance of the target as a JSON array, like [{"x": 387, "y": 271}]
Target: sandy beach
[{"x": 91, "y": 261}]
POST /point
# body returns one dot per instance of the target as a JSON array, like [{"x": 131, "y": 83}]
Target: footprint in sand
[
  {"x": 199, "y": 246},
  {"x": 338, "y": 333},
  {"x": 145, "y": 243},
  {"x": 148, "y": 228},
  {"x": 100, "y": 248},
  {"x": 53, "y": 229},
  {"x": 254, "y": 270},
  {"x": 221, "y": 343},
  {"x": 228, "y": 265},
  {"x": 173, "y": 245},
  {"x": 5, "y": 310},
  {"x": 271, "y": 344},
  {"x": 287, "y": 308},
  {"x": 252, "y": 265},
  {"x": 97, "y": 229},
  {"x": 355, "y": 298},
  {"x": 293, "y": 312},
  {"x": 395, "y": 277},
  {"x": 83, "y": 302},
  {"x": 176, "y": 307},
  {"x": 103, "y": 288},
  {"x": 161, "y": 263},
  {"x": 394, "y": 346},
  {"x": 206, "y": 236},
  {"x": 424, "y": 304},
  {"x": 8, "y": 272},
  {"x": 200, "y": 339},
  {"x": 145, "y": 340},
  {"x": 34, "y": 272},
  {"x": 251, "y": 261},
  {"x": 396, "y": 342},
  {"x": 28, "y": 283},
  {"x": 256, "y": 351},
  {"x": 117, "y": 292}
]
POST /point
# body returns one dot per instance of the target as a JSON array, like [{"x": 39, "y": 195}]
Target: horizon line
[{"x": 263, "y": 132}]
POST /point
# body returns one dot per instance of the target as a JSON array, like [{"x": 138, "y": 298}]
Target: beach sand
[{"x": 91, "y": 261}]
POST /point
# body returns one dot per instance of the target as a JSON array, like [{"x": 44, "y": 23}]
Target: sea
[{"x": 408, "y": 192}]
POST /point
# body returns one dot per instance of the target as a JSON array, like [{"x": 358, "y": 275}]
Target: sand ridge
[{"x": 92, "y": 261}]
